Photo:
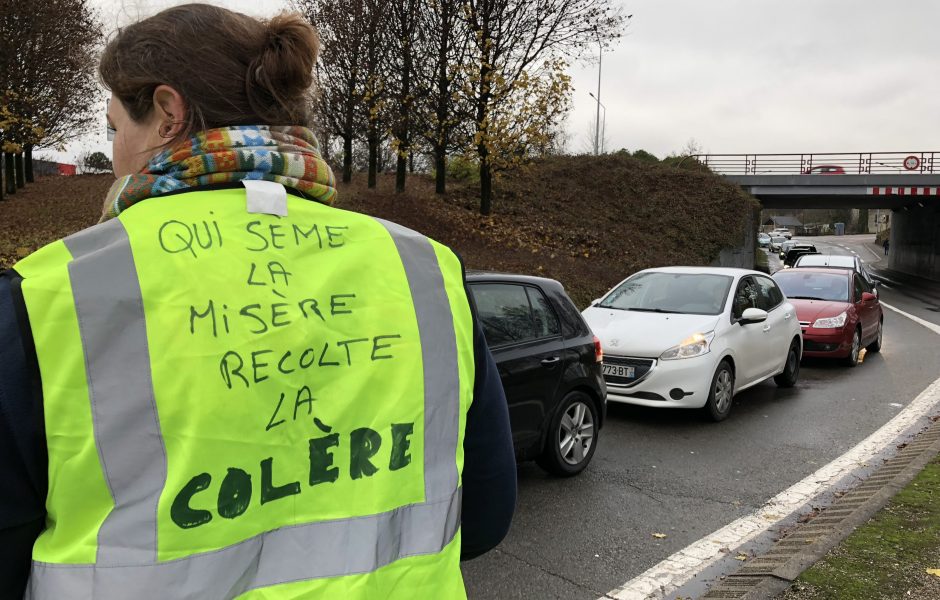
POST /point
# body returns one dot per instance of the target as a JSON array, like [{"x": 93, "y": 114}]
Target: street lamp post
[
  {"x": 597, "y": 120},
  {"x": 599, "y": 140}
]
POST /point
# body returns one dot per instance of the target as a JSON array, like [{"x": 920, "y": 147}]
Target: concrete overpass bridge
[{"x": 908, "y": 183}]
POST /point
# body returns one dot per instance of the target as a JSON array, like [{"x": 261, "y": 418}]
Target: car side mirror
[
  {"x": 753, "y": 315},
  {"x": 868, "y": 297}
]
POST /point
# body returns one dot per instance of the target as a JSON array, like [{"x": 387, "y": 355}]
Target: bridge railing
[{"x": 833, "y": 163}]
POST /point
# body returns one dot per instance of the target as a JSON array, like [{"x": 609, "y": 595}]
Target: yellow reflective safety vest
[{"x": 247, "y": 405}]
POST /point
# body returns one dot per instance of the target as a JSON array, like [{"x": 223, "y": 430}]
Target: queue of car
[{"x": 673, "y": 337}]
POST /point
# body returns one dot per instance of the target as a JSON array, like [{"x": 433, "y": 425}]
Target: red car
[
  {"x": 825, "y": 170},
  {"x": 838, "y": 311}
]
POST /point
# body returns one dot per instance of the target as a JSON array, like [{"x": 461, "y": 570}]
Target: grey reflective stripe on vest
[
  {"x": 117, "y": 366},
  {"x": 439, "y": 357},
  {"x": 313, "y": 550}
]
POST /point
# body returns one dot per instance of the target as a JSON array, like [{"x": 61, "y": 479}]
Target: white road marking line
[
  {"x": 931, "y": 326},
  {"x": 672, "y": 573},
  {"x": 876, "y": 255},
  {"x": 853, "y": 251}
]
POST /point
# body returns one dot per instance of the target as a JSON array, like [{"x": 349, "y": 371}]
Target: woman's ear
[{"x": 169, "y": 110}]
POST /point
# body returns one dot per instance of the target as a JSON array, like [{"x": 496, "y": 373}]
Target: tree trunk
[
  {"x": 1, "y": 176},
  {"x": 10, "y": 173},
  {"x": 20, "y": 173},
  {"x": 401, "y": 171},
  {"x": 486, "y": 188},
  {"x": 411, "y": 162},
  {"x": 440, "y": 170},
  {"x": 29, "y": 164},
  {"x": 347, "y": 158},
  {"x": 373, "y": 159}
]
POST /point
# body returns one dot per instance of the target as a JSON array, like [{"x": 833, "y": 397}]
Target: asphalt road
[{"x": 662, "y": 471}]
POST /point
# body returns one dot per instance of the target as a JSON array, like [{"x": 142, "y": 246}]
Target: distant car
[
  {"x": 763, "y": 240},
  {"x": 797, "y": 251},
  {"x": 837, "y": 261},
  {"x": 786, "y": 246},
  {"x": 776, "y": 242},
  {"x": 825, "y": 170},
  {"x": 839, "y": 313},
  {"x": 550, "y": 365},
  {"x": 782, "y": 231},
  {"x": 692, "y": 337}
]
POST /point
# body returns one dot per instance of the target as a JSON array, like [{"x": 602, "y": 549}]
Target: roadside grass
[
  {"x": 761, "y": 261},
  {"x": 888, "y": 557}
]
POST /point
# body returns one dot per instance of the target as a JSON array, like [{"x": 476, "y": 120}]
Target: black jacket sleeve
[
  {"x": 489, "y": 472},
  {"x": 22, "y": 447}
]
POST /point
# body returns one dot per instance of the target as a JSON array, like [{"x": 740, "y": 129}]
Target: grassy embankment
[{"x": 587, "y": 221}]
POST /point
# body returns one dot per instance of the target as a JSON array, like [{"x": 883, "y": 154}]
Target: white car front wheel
[{"x": 721, "y": 393}]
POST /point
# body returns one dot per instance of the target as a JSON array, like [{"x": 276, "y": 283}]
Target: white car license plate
[{"x": 619, "y": 371}]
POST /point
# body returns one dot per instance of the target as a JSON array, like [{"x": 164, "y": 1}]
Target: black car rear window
[{"x": 512, "y": 313}]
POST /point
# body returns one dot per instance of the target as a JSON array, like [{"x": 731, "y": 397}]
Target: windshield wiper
[
  {"x": 807, "y": 298},
  {"x": 657, "y": 310}
]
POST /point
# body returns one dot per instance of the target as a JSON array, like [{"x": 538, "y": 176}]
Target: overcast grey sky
[{"x": 750, "y": 75}]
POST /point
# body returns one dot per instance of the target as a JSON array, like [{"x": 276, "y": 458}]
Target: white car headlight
[
  {"x": 830, "y": 323},
  {"x": 696, "y": 345}
]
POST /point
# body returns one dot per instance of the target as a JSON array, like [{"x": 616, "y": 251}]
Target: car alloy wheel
[
  {"x": 791, "y": 370},
  {"x": 721, "y": 393},
  {"x": 852, "y": 359},
  {"x": 576, "y": 434},
  {"x": 572, "y": 437}
]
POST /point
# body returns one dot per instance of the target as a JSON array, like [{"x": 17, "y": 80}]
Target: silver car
[{"x": 837, "y": 261}]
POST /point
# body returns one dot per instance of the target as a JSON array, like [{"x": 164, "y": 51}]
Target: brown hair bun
[{"x": 282, "y": 73}]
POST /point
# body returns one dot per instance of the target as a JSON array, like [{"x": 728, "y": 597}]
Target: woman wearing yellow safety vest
[{"x": 228, "y": 388}]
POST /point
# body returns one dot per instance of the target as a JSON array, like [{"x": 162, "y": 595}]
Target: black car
[
  {"x": 797, "y": 251},
  {"x": 550, "y": 365}
]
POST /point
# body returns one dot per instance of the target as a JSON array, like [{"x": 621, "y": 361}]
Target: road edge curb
[{"x": 772, "y": 573}]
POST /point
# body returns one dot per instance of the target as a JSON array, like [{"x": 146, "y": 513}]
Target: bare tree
[
  {"x": 341, "y": 28},
  {"x": 406, "y": 48},
  {"x": 512, "y": 39},
  {"x": 445, "y": 112}
]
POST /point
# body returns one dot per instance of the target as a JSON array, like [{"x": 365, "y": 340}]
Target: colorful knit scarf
[{"x": 286, "y": 155}]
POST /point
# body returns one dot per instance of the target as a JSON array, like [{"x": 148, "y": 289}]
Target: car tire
[
  {"x": 876, "y": 345},
  {"x": 791, "y": 370},
  {"x": 720, "y": 393},
  {"x": 852, "y": 359},
  {"x": 573, "y": 427}
]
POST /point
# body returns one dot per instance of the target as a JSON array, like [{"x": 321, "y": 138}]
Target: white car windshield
[
  {"x": 681, "y": 293},
  {"x": 813, "y": 286}
]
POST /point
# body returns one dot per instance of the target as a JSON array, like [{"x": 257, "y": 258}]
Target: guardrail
[{"x": 834, "y": 163}]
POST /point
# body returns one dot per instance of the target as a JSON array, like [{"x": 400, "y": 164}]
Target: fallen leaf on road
[
  {"x": 741, "y": 557},
  {"x": 933, "y": 572},
  {"x": 659, "y": 536}
]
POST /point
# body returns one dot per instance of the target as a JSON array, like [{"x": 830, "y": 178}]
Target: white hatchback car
[{"x": 692, "y": 337}]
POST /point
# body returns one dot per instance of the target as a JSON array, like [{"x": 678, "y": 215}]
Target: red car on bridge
[
  {"x": 838, "y": 311},
  {"x": 825, "y": 170}
]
